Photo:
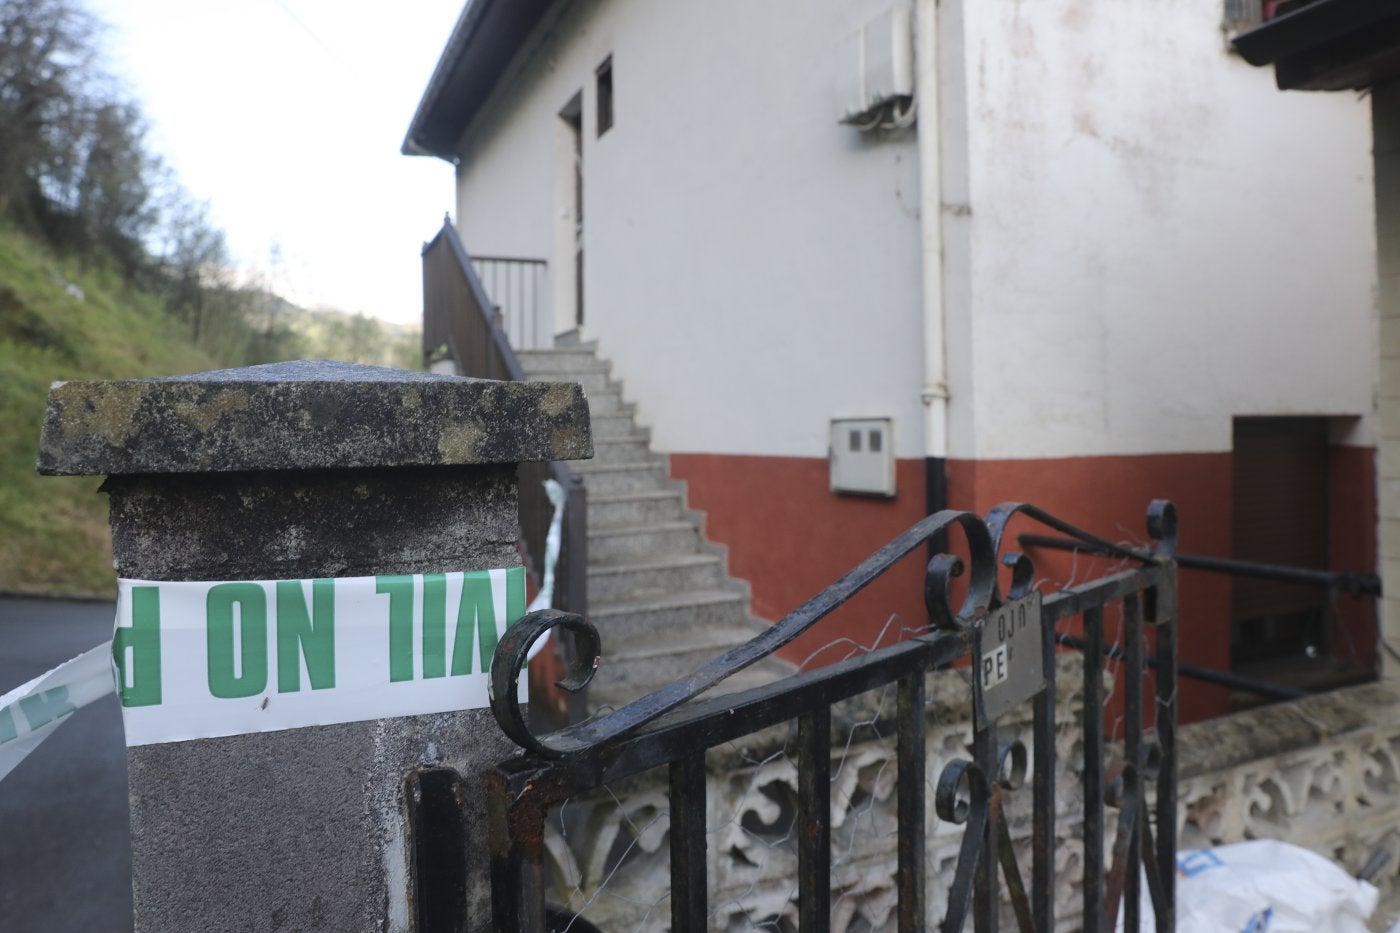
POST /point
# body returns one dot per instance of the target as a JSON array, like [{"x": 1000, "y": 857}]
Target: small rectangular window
[
  {"x": 605, "y": 96},
  {"x": 875, "y": 441},
  {"x": 855, "y": 440}
]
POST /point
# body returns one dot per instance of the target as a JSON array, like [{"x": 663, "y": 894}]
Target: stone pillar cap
[{"x": 308, "y": 414}]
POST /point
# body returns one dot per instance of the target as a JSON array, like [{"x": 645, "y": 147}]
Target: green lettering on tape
[
  {"x": 302, "y": 634},
  {"x": 400, "y": 592},
  {"x": 136, "y": 650},
  {"x": 477, "y": 610},
  {"x": 251, "y": 678},
  {"x": 45, "y": 707},
  {"x": 515, "y": 599},
  {"x": 434, "y": 625}
]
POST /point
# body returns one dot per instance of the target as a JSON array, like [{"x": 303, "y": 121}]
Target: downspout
[{"x": 935, "y": 390}]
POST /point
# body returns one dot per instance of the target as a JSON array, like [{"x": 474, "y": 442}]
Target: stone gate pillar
[{"x": 310, "y": 471}]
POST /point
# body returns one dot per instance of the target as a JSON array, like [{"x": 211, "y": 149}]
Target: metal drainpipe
[{"x": 935, "y": 390}]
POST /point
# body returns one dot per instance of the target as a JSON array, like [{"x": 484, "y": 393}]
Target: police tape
[
  {"x": 191, "y": 660},
  {"x": 197, "y": 660},
  {"x": 32, "y": 711}
]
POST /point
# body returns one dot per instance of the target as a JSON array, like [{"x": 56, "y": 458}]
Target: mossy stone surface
[{"x": 307, "y": 415}]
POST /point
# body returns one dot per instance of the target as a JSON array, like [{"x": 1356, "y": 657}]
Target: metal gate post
[{"x": 308, "y": 471}]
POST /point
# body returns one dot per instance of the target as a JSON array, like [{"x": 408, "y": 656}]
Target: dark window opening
[{"x": 605, "y": 96}]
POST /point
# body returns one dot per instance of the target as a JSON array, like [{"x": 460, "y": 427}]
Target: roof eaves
[
  {"x": 1308, "y": 27},
  {"x": 485, "y": 39},
  {"x": 452, "y": 53}
]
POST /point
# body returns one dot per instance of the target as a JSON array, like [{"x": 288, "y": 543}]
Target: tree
[{"x": 47, "y": 53}]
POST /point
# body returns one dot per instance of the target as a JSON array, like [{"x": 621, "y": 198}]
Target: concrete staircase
[{"x": 658, "y": 592}]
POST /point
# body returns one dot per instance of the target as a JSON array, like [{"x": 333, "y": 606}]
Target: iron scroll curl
[
  {"x": 983, "y": 538},
  {"x": 512, "y": 653},
  {"x": 514, "y": 650},
  {"x": 1161, "y": 527}
]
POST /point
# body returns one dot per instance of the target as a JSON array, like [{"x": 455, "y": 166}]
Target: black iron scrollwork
[
  {"x": 512, "y": 656},
  {"x": 964, "y": 796},
  {"x": 970, "y": 793},
  {"x": 983, "y": 539},
  {"x": 512, "y": 653}
]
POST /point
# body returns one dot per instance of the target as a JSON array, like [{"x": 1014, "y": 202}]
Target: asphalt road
[{"x": 65, "y": 847}]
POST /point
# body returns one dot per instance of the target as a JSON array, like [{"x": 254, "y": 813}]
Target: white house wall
[
  {"x": 1142, "y": 239},
  {"x": 1159, "y": 240},
  {"x": 752, "y": 266}
]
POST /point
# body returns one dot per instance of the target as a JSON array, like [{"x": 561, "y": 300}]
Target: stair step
[
  {"x": 607, "y": 478},
  {"x": 571, "y": 339},
  {"x": 619, "y": 687},
  {"x": 607, "y": 401},
  {"x": 673, "y": 618},
  {"x": 634, "y": 508},
  {"x": 632, "y": 448},
  {"x": 630, "y": 544},
  {"x": 635, "y": 582},
  {"x": 565, "y": 361},
  {"x": 614, "y": 424},
  {"x": 592, "y": 379},
  {"x": 623, "y": 677}
]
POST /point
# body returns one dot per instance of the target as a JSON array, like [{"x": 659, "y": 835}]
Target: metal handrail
[
  {"x": 460, "y": 319},
  {"x": 1348, "y": 581}
]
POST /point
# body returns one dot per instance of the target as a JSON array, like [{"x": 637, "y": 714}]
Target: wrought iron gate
[{"x": 1010, "y": 642}]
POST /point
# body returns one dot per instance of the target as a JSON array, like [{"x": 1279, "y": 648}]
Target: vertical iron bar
[
  {"x": 1093, "y": 770},
  {"x": 572, "y": 573},
  {"x": 438, "y": 849},
  {"x": 689, "y": 895},
  {"x": 1132, "y": 712},
  {"x": 911, "y": 805},
  {"x": 1043, "y": 792},
  {"x": 517, "y": 864},
  {"x": 986, "y": 902},
  {"x": 814, "y": 820},
  {"x": 1165, "y": 618}
]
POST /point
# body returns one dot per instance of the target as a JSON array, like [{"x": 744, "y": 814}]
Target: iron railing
[
  {"x": 1010, "y": 643},
  {"x": 1354, "y": 583},
  {"x": 460, "y": 319},
  {"x": 517, "y": 287}
]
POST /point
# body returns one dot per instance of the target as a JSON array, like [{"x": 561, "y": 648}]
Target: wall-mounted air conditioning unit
[{"x": 875, "y": 76}]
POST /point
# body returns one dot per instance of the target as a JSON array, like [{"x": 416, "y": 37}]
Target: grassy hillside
[{"x": 60, "y": 319}]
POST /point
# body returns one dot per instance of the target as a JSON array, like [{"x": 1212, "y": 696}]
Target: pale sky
[{"x": 287, "y": 115}]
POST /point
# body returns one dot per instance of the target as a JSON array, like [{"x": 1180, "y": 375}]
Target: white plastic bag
[{"x": 1268, "y": 887}]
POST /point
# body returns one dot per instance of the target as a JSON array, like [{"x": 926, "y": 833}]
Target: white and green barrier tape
[
  {"x": 199, "y": 660},
  {"x": 32, "y": 711}
]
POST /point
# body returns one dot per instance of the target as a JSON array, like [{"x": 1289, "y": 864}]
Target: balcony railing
[{"x": 517, "y": 288}]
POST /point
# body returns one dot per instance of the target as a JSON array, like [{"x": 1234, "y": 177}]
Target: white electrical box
[
  {"x": 862, "y": 456},
  {"x": 876, "y": 63}
]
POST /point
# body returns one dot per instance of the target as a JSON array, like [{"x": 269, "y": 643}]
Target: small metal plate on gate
[{"x": 1012, "y": 664}]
